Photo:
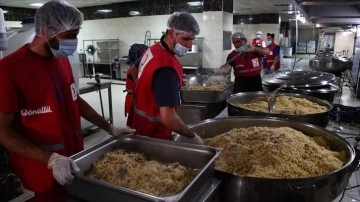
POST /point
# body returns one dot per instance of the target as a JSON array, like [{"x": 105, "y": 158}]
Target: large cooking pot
[
  {"x": 312, "y": 83},
  {"x": 320, "y": 119},
  {"x": 326, "y": 62},
  {"x": 323, "y": 188}
]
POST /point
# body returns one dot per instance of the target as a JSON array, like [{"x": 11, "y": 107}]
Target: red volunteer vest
[
  {"x": 270, "y": 57},
  {"x": 130, "y": 88},
  {"x": 258, "y": 43},
  {"x": 246, "y": 65},
  {"x": 147, "y": 120},
  {"x": 47, "y": 112}
]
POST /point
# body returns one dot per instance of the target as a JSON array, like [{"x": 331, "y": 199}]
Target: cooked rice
[
  {"x": 289, "y": 105},
  {"x": 135, "y": 171},
  {"x": 281, "y": 153},
  {"x": 210, "y": 86}
]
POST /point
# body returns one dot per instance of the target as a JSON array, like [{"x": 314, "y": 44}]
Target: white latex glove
[
  {"x": 249, "y": 48},
  {"x": 118, "y": 131},
  {"x": 197, "y": 139},
  {"x": 61, "y": 168}
]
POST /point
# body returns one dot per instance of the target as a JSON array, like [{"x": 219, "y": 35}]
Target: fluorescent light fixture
[
  {"x": 195, "y": 3},
  {"x": 134, "y": 13},
  {"x": 36, "y": 4},
  {"x": 104, "y": 10}
]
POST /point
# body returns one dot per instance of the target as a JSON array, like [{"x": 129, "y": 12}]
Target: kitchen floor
[{"x": 346, "y": 97}]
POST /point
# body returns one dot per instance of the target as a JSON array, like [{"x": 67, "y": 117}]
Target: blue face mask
[
  {"x": 180, "y": 50},
  {"x": 240, "y": 49},
  {"x": 66, "y": 48}
]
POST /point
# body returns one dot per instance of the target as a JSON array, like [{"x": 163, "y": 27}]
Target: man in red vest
[
  {"x": 156, "y": 96},
  {"x": 258, "y": 41},
  {"x": 272, "y": 62},
  {"x": 40, "y": 108},
  {"x": 247, "y": 64}
]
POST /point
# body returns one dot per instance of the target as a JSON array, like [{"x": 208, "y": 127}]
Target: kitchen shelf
[{"x": 106, "y": 50}]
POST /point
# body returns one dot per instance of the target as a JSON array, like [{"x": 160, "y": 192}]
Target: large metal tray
[
  {"x": 206, "y": 96},
  {"x": 190, "y": 155}
]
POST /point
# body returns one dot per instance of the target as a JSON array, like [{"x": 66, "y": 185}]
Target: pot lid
[{"x": 300, "y": 79}]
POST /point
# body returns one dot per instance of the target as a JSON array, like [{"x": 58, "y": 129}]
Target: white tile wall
[
  {"x": 15, "y": 24},
  {"x": 250, "y": 30},
  {"x": 128, "y": 30},
  {"x": 344, "y": 41}
]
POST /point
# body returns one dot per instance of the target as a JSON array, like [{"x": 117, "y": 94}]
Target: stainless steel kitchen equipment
[
  {"x": 325, "y": 61},
  {"x": 320, "y": 119},
  {"x": 189, "y": 155},
  {"x": 322, "y": 188},
  {"x": 313, "y": 83},
  {"x": 198, "y": 105},
  {"x": 206, "y": 96}
]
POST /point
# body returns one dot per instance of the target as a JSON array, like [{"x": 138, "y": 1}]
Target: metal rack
[{"x": 106, "y": 50}]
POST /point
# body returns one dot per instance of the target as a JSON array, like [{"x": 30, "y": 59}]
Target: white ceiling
[
  {"x": 240, "y": 6},
  {"x": 324, "y": 12},
  {"x": 77, "y": 3}
]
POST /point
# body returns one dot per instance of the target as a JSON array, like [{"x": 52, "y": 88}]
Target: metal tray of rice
[
  {"x": 215, "y": 93},
  {"x": 137, "y": 168}
]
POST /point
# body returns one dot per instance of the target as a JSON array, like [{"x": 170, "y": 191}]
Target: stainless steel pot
[
  {"x": 320, "y": 119},
  {"x": 326, "y": 92},
  {"x": 312, "y": 83},
  {"x": 323, "y": 188},
  {"x": 326, "y": 62}
]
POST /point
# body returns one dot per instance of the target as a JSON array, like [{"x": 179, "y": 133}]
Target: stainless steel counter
[{"x": 87, "y": 85}]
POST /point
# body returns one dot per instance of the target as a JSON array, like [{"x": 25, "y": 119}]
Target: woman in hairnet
[
  {"x": 246, "y": 61},
  {"x": 40, "y": 108},
  {"x": 159, "y": 81}
]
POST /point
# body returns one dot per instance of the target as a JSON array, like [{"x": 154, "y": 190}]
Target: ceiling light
[
  {"x": 36, "y": 4},
  {"x": 195, "y": 3},
  {"x": 134, "y": 13},
  {"x": 104, "y": 10}
]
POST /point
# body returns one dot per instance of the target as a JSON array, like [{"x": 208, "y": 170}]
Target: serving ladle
[{"x": 272, "y": 98}]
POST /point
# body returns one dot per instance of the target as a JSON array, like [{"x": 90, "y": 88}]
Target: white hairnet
[
  {"x": 185, "y": 22},
  {"x": 259, "y": 32},
  {"x": 237, "y": 35},
  {"x": 57, "y": 16}
]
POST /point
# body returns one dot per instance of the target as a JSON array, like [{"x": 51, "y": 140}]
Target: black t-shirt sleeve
[{"x": 165, "y": 87}]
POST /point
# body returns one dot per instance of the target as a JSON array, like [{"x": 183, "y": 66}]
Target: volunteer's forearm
[
  {"x": 172, "y": 121},
  {"x": 17, "y": 144},
  {"x": 88, "y": 113}
]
